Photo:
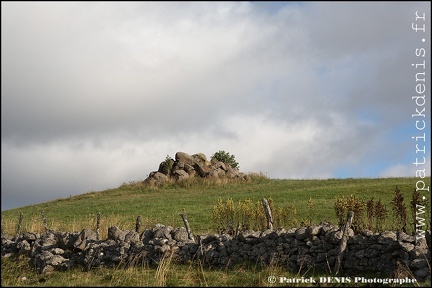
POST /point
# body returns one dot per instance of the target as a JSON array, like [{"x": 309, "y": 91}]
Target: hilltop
[{"x": 186, "y": 166}]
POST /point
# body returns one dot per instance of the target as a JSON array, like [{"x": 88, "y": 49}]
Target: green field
[{"x": 121, "y": 206}]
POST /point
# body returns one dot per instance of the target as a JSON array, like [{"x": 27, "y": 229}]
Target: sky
[{"x": 96, "y": 94}]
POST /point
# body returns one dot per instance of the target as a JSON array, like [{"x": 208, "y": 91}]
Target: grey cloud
[
  {"x": 132, "y": 82},
  {"x": 89, "y": 78}
]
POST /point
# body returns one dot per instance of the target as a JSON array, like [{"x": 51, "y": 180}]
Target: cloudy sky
[{"x": 95, "y": 94}]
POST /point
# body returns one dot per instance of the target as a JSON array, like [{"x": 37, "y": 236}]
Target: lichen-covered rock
[
  {"x": 179, "y": 234},
  {"x": 116, "y": 234},
  {"x": 184, "y": 158},
  {"x": 166, "y": 166},
  {"x": 85, "y": 236},
  {"x": 200, "y": 158},
  {"x": 202, "y": 169},
  {"x": 23, "y": 247},
  {"x": 133, "y": 237},
  {"x": 180, "y": 175},
  {"x": 186, "y": 166}
]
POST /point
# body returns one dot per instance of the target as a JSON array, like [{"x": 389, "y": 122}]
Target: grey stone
[
  {"x": 200, "y": 158},
  {"x": 180, "y": 175},
  {"x": 418, "y": 263},
  {"x": 132, "y": 237},
  {"x": 179, "y": 234},
  {"x": 28, "y": 236},
  {"x": 116, "y": 234},
  {"x": 166, "y": 166},
  {"x": 417, "y": 253},
  {"x": 184, "y": 158},
  {"x": 313, "y": 230},
  {"x": 422, "y": 273},
  {"x": 160, "y": 177},
  {"x": 57, "y": 251},
  {"x": 387, "y": 237},
  {"x": 301, "y": 234},
  {"x": 202, "y": 169},
  {"x": 407, "y": 247},
  {"x": 336, "y": 236},
  {"x": 403, "y": 237},
  {"x": 23, "y": 247},
  {"x": 147, "y": 235},
  {"x": 189, "y": 168}
]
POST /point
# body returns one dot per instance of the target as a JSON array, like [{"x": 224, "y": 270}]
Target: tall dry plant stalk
[
  {"x": 370, "y": 212},
  {"x": 380, "y": 215},
  {"x": 223, "y": 216},
  {"x": 399, "y": 211},
  {"x": 251, "y": 216},
  {"x": 343, "y": 205},
  {"x": 293, "y": 214},
  {"x": 259, "y": 216},
  {"x": 245, "y": 213}
]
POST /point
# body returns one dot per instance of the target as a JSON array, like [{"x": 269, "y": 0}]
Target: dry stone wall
[{"x": 314, "y": 247}]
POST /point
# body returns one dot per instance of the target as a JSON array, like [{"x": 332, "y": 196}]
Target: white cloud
[
  {"x": 404, "y": 170},
  {"x": 398, "y": 170}
]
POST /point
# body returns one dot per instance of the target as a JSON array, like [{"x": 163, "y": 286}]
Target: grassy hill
[
  {"x": 313, "y": 200},
  {"x": 120, "y": 206}
]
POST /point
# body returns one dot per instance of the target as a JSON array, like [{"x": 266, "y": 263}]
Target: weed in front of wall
[{"x": 399, "y": 211}]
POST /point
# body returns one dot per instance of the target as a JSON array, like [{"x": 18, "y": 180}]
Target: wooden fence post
[
  {"x": 186, "y": 223},
  {"x": 268, "y": 213},
  {"x": 19, "y": 225},
  {"x": 98, "y": 225},
  {"x": 138, "y": 224},
  {"x": 343, "y": 243},
  {"x": 237, "y": 230}
]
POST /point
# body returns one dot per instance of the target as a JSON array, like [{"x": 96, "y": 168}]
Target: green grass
[
  {"x": 121, "y": 206},
  {"x": 187, "y": 275}
]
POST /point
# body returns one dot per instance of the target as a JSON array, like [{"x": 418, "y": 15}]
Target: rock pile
[
  {"x": 314, "y": 247},
  {"x": 187, "y": 166}
]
